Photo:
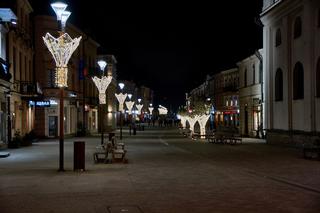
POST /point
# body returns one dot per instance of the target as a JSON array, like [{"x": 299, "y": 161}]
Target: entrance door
[{"x": 53, "y": 126}]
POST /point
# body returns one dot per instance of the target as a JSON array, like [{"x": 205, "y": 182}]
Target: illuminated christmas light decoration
[
  {"x": 130, "y": 96},
  {"x": 203, "y": 119},
  {"x": 139, "y": 107},
  {"x": 129, "y": 105},
  {"x": 151, "y": 109},
  {"x": 183, "y": 120},
  {"x": 121, "y": 98},
  {"x": 162, "y": 110},
  {"x": 64, "y": 17},
  {"x": 192, "y": 122},
  {"x": 61, "y": 49},
  {"x": 59, "y": 8},
  {"x": 102, "y": 85}
]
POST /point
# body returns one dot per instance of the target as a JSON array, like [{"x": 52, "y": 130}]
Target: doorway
[{"x": 53, "y": 126}]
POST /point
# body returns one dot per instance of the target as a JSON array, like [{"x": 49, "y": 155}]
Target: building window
[
  {"x": 279, "y": 85},
  {"x": 318, "y": 79},
  {"x": 297, "y": 28},
  {"x": 278, "y": 37},
  {"x": 298, "y": 82},
  {"x": 253, "y": 74},
  {"x": 245, "y": 78}
]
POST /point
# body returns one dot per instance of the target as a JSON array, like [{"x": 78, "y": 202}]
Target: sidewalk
[{"x": 166, "y": 173}]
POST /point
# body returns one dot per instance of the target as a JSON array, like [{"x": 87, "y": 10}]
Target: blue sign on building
[{"x": 39, "y": 103}]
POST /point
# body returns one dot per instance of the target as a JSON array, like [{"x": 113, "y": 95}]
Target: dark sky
[{"x": 169, "y": 47}]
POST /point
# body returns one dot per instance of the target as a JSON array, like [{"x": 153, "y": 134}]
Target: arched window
[
  {"x": 298, "y": 81},
  {"x": 245, "y": 78},
  {"x": 297, "y": 31},
  {"x": 318, "y": 79},
  {"x": 278, "y": 37},
  {"x": 279, "y": 85}
]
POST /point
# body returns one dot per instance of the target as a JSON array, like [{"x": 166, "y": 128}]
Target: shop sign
[{"x": 39, "y": 103}]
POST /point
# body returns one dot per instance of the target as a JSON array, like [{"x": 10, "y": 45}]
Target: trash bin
[
  {"x": 79, "y": 156},
  {"x": 111, "y": 134}
]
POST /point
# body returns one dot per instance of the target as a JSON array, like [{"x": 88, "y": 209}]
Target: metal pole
[
  {"x": 102, "y": 125},
  {"x": 120, "y": 125},
  {"x": 61, "y": 135}
]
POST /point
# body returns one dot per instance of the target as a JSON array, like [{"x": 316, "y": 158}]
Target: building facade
[
  {"x": 226, "y": 100},
  {"x": 20, "y": 55},
  {"x": 81, "y": 95},
  {"x": 250, "y": 95},
  {"x": 292, "y": 70}
]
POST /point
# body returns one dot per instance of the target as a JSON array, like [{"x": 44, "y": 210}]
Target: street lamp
[
  {"x": 102, "y": 85},
  {"x": 61, "y": 49},
  {"x": 121, "y": 98}
]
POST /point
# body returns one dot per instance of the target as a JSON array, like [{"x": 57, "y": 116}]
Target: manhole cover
[{"x": 124, "y": 209}]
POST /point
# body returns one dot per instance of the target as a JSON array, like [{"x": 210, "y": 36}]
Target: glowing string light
[
  {"x": 129, "y": 105},
  {"x": 102, "y": 85},
  {"x": 61, "y": 49},
  {"x": 139, "y": 108},
  {"x": 121, "y": 98}
]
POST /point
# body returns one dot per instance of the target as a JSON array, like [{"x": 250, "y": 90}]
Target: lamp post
[
  {"x": 129, "y": 105},
  {"x": 102, "y": 85},
  {"x": 121, "y": 98},
  {"x": 61, "y": 49}
]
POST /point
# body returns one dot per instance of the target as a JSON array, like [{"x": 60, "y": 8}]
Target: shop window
[
  {"x": 298, "y": 81},
  {"x": 279, "y": 85}
]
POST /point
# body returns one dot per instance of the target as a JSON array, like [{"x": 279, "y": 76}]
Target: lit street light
[
  {"x": 102, "y": 85},
  {"x": 121, "y": 98},
  {"x": 61, "y": 49}
]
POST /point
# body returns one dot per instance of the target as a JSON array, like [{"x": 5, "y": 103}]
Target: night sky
[{"x": 169, "y": 47}]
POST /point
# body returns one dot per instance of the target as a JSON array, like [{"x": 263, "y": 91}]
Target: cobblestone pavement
[{"x": 166, "y": 173}]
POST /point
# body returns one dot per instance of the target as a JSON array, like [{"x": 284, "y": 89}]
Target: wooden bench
[
  {"x": 225, "y": 138},
  {"x": 118, "y": 151},
  {"x": 101, "y": 155}
]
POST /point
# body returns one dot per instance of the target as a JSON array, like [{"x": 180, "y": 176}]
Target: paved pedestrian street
[{"x": 166, "y": 173}]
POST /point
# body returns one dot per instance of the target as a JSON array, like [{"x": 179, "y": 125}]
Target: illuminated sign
[{"x": 39, "y": 103}]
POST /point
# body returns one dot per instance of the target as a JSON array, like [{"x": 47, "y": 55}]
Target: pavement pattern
[{"x": 166, "y": 173}]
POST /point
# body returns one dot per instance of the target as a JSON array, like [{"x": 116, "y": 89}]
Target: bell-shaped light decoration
[
  {"x": 130, "y": 96},
  {"x": 59, "y": 8}
]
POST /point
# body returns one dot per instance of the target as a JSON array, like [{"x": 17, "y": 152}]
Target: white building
[
  {"x": 250, "y": 95},
  {"x": 291, "y": 41}
]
